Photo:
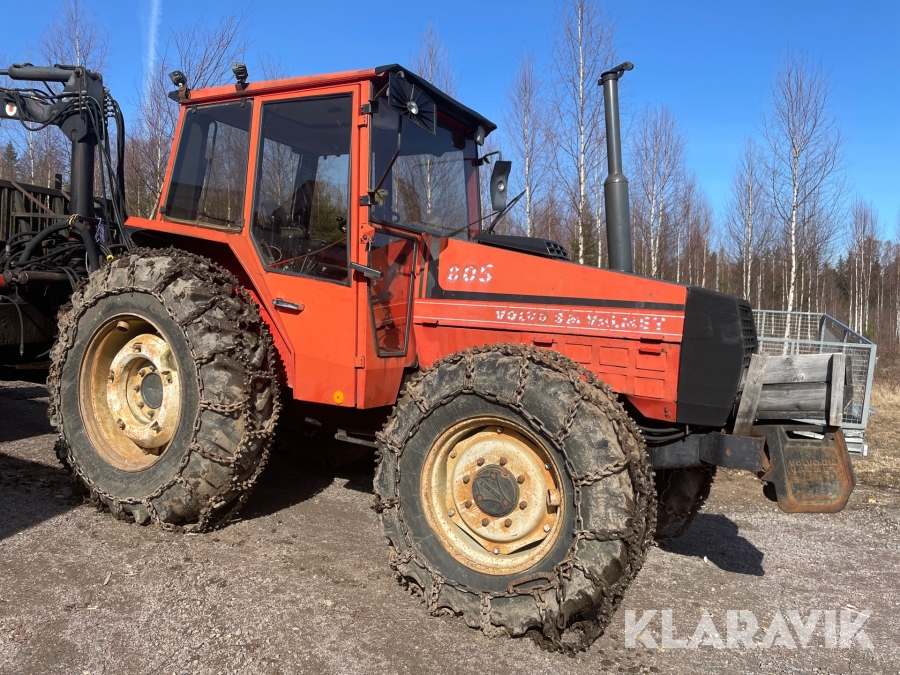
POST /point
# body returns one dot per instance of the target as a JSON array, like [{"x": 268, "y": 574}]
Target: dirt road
[{"x": 301, "y": 584}]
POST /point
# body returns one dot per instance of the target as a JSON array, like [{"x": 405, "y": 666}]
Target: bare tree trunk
[
  {"x": 583, "y": 49},
  {"x": 805, "y": 161}
]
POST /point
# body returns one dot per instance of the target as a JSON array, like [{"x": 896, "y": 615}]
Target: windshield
[{"x": 432, "y": 184}]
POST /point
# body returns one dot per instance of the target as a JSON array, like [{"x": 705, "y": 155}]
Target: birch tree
[
  {"x": 526, "y": 129},
  {"x": 658, "y": 158},
  {"x": 864, "y": 246},
  {"x": 746, "y": 217},
  {"x": 804, "y": 158},
  {"x": 583, "y": 48},
  {"x": 431, "y": 60},
  {"x": 205, "y": 54},
  {"x": 73, "y": 37}
]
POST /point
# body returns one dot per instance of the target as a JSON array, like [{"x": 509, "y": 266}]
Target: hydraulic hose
[
  {"x": 32, "y": 245},
  {"x": 93, "y": 259}
]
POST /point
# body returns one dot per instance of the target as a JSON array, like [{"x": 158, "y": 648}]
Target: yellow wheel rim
[
  {"x": 131, "y": 392},
  {"x": 493, "y": 496}
]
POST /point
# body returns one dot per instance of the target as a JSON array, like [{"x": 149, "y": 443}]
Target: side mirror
[{"x": 499, "y": 179}]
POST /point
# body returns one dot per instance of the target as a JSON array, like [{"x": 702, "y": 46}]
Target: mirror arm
[
  {"x": 481, "y": 161},
  {"x": 505, "y": 210}
]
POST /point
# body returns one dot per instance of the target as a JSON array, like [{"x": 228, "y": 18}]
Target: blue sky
[{"x": 710, "y": 62}]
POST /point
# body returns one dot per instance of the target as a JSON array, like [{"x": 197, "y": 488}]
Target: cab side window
[
  {"x": 302, "y": 202},
  {"x": 210, "y": 173}
]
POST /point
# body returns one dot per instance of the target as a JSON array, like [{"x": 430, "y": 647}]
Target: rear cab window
[{"x": 210, "y": 172}]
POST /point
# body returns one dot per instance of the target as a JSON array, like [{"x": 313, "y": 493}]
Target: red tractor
[{"x": 321, "y": 239}]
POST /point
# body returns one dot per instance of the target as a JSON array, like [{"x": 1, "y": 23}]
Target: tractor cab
[{"x": 320, "y": 193}]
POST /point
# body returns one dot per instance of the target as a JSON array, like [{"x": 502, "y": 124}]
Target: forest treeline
[{"x": 793, "y": 236}]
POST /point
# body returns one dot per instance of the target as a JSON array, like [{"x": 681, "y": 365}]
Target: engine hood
[{"x": 525, "y": 292}]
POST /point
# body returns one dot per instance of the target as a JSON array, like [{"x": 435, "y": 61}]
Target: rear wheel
[
  {"x": 514, "y": 491},
  {"x": 681, "y": 494},
  {"x": 163, "y": 391}
]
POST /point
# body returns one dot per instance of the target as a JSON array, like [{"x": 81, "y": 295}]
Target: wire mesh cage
[{"x": 785, "y": 333}]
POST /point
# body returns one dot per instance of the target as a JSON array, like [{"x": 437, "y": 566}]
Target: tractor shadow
[
  {"x": 32, "y": 492},
  {"x": 33, "y": 486},
  {"x": 301, "y": 467},
  {"x": 23, "y": 411},
  {"x": 717, "y": 538}
]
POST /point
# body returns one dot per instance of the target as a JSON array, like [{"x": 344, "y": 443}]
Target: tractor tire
[
  {"x": 163, "y": 391},
  {"x": 514, "y": 491},
  {"x": 681, "y": 494}
]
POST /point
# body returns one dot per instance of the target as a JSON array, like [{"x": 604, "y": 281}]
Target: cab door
[{"x": 305, "y": 176}]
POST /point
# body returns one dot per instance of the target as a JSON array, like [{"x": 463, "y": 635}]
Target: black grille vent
[
  {"x": 748, "y": 332},
  {"x": 556, "y": 251},
  {"x": 545, "y": 248}
]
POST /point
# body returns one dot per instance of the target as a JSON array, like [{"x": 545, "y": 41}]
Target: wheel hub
[
  {"x": 495, "y": 490},
  {"x": 131, "y": 393},
  {"x": 143, "y": 395},
  {"x": 492, "y": 496},
  {"x": 152, "y": 390}
]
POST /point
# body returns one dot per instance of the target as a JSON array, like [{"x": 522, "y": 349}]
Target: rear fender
[{"x": 222, "y": 254}]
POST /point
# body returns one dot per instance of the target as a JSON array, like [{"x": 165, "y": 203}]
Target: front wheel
[
  {"x": 514, "y": 491},
  {"x": 162, "y": 389}
]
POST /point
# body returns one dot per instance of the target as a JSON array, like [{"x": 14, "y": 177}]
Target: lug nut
[
  {"x": 120, "y": 423},
  {"x": 451, "y": 513},
  {"x": 520, "y": 479},
  {"x": 546, "y": 528},
  {"x": 499, "y": 430},
  {"x": 155, "y": 428},
  {"x": 496, "y": 551},
  {"x": 466, "y": 478},
  {"x": 150, "y": 414},
  {"x": 136, "y": 387},
  {"x": 508, "y": 522},
  {"x": 503, "y": 461},
  {"x": 547, "y": 466},
  {"x": 140, "y": 404},
  {"x": 142, "y": 372},
  {"x": 523, "y": 505},
  {"x": 480, "y": 461},
  {"x": 453, "y": 454},
  {"x": 468, "y": 503},
  {"x": 485, "y": 522},
  {"x": 504, "y": 473},
  {"x": 122, "y": 326}
]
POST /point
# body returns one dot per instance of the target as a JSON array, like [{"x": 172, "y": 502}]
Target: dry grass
[{"x": 882, "y": 466}]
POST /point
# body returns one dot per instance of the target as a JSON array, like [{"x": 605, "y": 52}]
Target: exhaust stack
[{"x": 615, "y": 187}]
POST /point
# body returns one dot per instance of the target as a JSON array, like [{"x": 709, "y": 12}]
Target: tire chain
[
  {"x": 637, "y": 539},
  {"x": 215, "y": 278},
  {"x": 688, "y": 517}
]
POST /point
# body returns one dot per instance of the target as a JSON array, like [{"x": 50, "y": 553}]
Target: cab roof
[{"x": 445, "y": 102}]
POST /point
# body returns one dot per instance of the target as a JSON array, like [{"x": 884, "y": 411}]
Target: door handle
[
  {"x": 284, "y": 304},
  {"x": 367, "y": 272}
]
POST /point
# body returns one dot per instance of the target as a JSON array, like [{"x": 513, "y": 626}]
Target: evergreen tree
[{"x": 8, "y": 161}]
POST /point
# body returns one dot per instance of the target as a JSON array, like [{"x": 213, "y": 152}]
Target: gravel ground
[{"x": 301, "y": 584}]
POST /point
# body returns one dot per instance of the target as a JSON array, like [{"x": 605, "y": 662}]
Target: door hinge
[{"x": 359, "y": 362}]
